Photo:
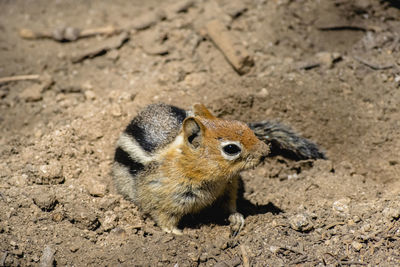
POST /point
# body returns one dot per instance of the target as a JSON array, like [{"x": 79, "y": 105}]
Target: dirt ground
[{"x": 330, "y": 69}]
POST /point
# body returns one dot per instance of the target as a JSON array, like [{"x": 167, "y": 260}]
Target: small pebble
[
  {"x": 356, "y": 245},
  {"x": 32, "y": 93},
  {"x": 74, "y": 247},
  {"x": 109, "y": 221},
  {"x": 116, "y": 110},
  {"x": 274, "y": 249},
  {"x": 95, "y": 187},
  {"x": 84, "y": 218},
  {"x": 18, "y": 180},
  {"x": 51, "y": 173},
  {"x": 391, "y": 213},
  {"x": 47, "y": 259},
  {"x": 89, "y": 95},
  {"x": 341, "y": 205},
  {"x": 57, "y": 216},
  {"x": 46, "y": 201},
  {"x": 301, "y": 223}
]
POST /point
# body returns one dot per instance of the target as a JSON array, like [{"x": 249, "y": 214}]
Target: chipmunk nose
[{"x": 262, "y": 151}]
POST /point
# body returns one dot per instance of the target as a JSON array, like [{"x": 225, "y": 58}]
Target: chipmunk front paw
[{"x": 236, "y": 222}]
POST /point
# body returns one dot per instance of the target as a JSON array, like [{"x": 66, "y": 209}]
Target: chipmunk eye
[{"x": 232, "y": 149}]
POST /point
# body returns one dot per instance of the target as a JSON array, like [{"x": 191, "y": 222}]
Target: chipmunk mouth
[{"x": 252, "y": 163}]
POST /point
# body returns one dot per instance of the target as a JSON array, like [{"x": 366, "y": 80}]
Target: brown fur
[{"x": 190, "y": 173}]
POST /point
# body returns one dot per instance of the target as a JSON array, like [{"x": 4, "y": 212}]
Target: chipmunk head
[{"x": 220, "y": 147}]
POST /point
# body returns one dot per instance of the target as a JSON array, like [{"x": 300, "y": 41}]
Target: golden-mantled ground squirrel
[{"x": 171, "y": 162}]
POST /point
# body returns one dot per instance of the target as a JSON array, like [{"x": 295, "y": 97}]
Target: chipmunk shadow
[{"x": 214, "y": 214}]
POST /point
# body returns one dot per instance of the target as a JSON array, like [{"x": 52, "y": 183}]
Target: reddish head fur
[{"x": 201, "y": 157}]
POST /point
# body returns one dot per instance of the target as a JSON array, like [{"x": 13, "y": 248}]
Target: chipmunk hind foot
[{"x": 236, "y": 220}]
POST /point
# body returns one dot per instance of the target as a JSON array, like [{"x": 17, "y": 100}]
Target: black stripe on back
[
  {"x": 179, "y": 113},
  {"x": 138, "y": 133},
  {"x": 123, "y": 158}
]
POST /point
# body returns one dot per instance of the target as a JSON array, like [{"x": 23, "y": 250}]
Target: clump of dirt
[{"x": 329, "y": 69}]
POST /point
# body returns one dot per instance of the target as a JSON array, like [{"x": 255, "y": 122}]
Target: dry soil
[{"x": 329, "y": 69}]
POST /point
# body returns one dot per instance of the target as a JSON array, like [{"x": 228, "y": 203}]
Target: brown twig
[
  {"x": 372, "y": 65},
  {"x": 351, "y": 263},
  {"x": 293, "y": 250},
  {"x": 114, "y": 42},
  {"x": 69, "y": 34},
  {"x": 343, "y": 28},
  {"x": 329, "y": 226},
  {"x": 299, "y": 260},
  {"x": 234, "y": 52},
  {"x": 245, "y": 257},
  {"x": 3, "y": 259},
  {"x": 19, "y": 78}
]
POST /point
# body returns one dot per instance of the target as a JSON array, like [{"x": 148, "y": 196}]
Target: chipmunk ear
[
  {"x": 193, "y": 131},
  {"x": 201, "y": 110}
]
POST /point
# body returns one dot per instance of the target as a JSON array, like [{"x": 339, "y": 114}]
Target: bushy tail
[{"x": 284, "y": 141}]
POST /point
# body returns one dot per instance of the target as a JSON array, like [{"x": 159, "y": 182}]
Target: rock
[
  {"x": 152, "y": 42},
  {"x": 95, "y": 187},
  {"x": 327, "y": 59},
  {"x": 195, "y": 80},
  {"x": 119, "y": 232},
  {"x": 109, "y": 202},
  {"x": 32, "y": 93},
  {"x": 109, "y": 221},
  {"x": 18, "y": 180},
  {"x": 83, "y": 217},
  {"x": 301, "y": 222},
  {"x": 234, "y": 8},
  {"x": 45, "y": 200},
  {"x": 177, "y": 7},
  {"x": 51, "y": 173},
  {"x": 356, "y": 245},
  {"x": 366, "y": 228},
  {"x": 391, "y": 213},
  {"x": 148, "y": 19},
  {"x": 116, "y": 110},
  {"x": 113, "y": 55},
  {"x": 57, "y": 216},
  {"x": 322, "y": 165},
  {"x": 341, "y": 205},
  {"x": 74, "y": 247},
  {"x": 93, "y": 133},
  {"x": 114, "y": 42},
  {"x": 361, "y": 6},
  {"x": 47, "y": 259},
  {"x": 274, "y": 249},
  {"x": 89, "y": 95}
]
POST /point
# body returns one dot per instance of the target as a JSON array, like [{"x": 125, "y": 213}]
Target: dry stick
[
  {"x": 373, "y": 66},
  {"x": 303, "y": 258},
  {"x": 293, "y": 250},
  {"x": 329, "y": 226},
  {"x": 111, "y": 43},
  {"x": 352, "y": 262},
  {"x": 246, "y": 262},
  {"x": 19, "y": 78},
  {"x": 343, "y": 28},
  {"x": 68, "y": 33},
  {"x": 3, "y": 258},
  {"x": 234, "y": 52},
  {"x": 107, "y": 30}
]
